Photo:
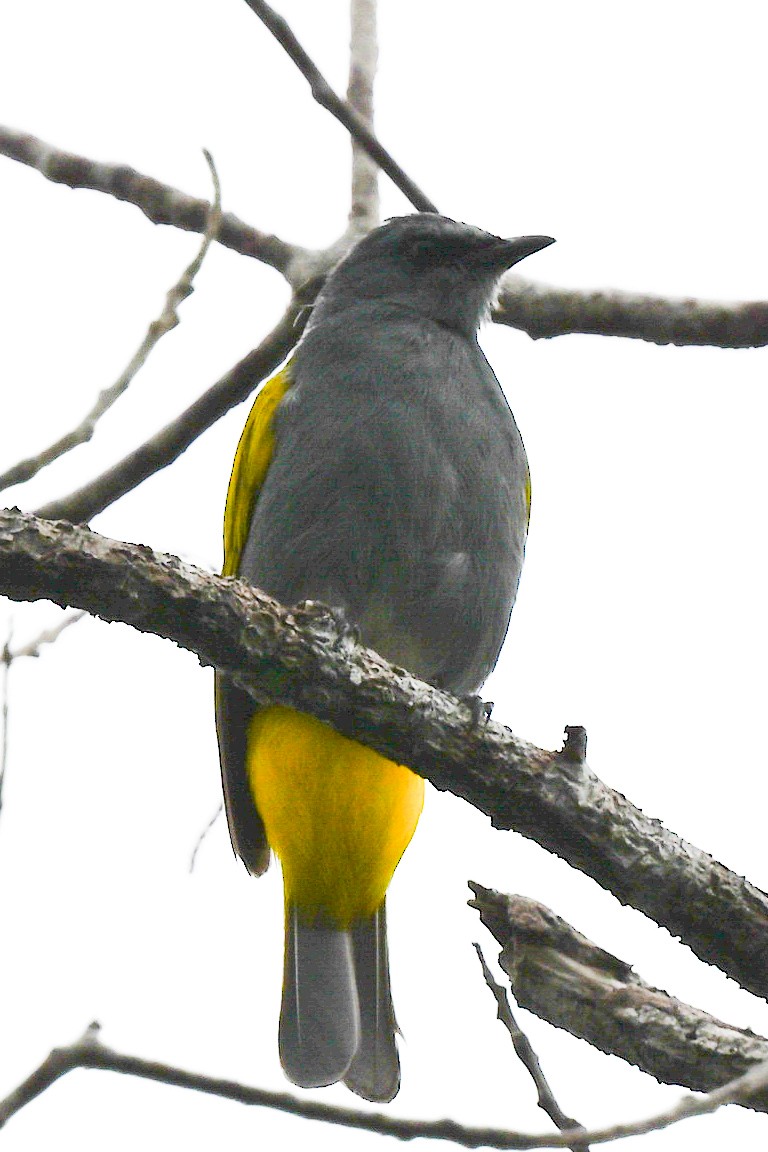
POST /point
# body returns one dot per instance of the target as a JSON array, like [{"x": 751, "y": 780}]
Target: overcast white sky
[{"x": 635, "y": 135}]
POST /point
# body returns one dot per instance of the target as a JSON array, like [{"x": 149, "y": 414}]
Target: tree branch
[
  {"x": 302, "y": 658},
  {"x": 543, "y": 312},
  {"x": 168, "y": 444},
  {"x": 89, "y": 1052},
  {"x": 528, "y": 1058},
  {"x": 363, "y": 58},
  {"x": 166, "y": 322},
  {"x": 567, "y": 980},
  {"x": 159, "y": 202},
  {"x": 538, "y": 309},
  {"x": 47, "y": 636},
  {"x": 346, "y": 115}
]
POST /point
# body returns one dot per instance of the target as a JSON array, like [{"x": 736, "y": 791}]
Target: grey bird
[{"x": 382, "y": 473}]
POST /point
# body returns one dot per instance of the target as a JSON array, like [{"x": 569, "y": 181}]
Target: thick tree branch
[
  {"x": 544, "y": 311},
  {"x": 303, "y": 658},
  {"x": 570, "y": 982},
  {"x": 168, "y": 444},
  {"x": 89, "y": 1052},
  {"x": 166, "y": 322},
  {"x": 343, "y": 112},
  {"x": 159, "y": 202}
]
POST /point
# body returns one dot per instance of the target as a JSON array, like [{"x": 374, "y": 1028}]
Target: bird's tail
[
  {"x": 375, "y": 1071},
  {"x": 336, "y": 1020},
  {"x": 320, "y": 1014}
]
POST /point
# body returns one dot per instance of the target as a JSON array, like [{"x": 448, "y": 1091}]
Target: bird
[{"x": 380, "y": 472}]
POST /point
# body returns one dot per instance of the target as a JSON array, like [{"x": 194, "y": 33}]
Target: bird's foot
[
  {"x": 341, "y": 631},
  {"x": 480, "y": 710}
]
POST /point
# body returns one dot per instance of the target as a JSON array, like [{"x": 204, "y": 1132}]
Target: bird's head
[{"x": 435, "y": 267}]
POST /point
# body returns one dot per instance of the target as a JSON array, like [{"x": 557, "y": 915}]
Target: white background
[{"x": 635, "y": 135}]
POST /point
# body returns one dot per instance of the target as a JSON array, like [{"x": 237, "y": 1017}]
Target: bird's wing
[{"x": 234, "y": 707}]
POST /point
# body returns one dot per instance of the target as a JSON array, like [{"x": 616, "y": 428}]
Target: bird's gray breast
[{"x": 397, "y": 491}]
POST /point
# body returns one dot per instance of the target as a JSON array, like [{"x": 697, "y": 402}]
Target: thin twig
[
  {"x": 202, "y": 836},
  {"x": 47, "y": 636},
  {"x": 363, "y": 59},
  {"x": 168, "y": 444},
  {"x": 529, "y": 1059},
  {"x": 300, "y": 657},
  {"x": 166, "y": 322},
  {"x": 327, "y": 98},
  {"x": 159, "y": 202},
  {"x": 89, "y": 1052},
  {"x": 7, "y": 657}
]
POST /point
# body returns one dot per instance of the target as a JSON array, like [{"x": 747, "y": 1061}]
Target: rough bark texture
[
  {"x": 570, "y": 982},
  {"x": 303, "y": 658}
]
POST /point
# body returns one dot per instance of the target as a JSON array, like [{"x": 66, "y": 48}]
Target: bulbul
[{"x": 382, "y": 473}]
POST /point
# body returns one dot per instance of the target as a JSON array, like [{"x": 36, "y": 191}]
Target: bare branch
[
  {"x": 159, "y": 202},
  {"x": 327, "y": 98},
  {"x": 538, "y": 309},
  {"x": 302, "y": 658},
  {"x": 166, "y": 322},
  {"x": 570, "y": 982},
  {"x": 363, "y": 58},
  {"x": 529, "y": 1059},
  {"x": 58, "y": 1062},
  {"x": 543, "y": 311},
  {"x": 169, "y": 443},
  {"x": 89, "y": 1052}
]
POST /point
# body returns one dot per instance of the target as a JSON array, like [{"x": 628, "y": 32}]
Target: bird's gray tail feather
[
  {"x": 375, "y": 1070},
  {"x": 320, "y": 1014}
]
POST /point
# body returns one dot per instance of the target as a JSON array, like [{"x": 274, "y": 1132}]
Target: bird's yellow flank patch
[{"x": 252, "y": 459}]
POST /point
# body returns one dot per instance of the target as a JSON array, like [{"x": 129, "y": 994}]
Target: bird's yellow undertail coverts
[{"x": 382, "y": 473}]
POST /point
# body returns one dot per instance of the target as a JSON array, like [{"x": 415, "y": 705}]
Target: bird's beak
[{"x": 504, "y": 253}]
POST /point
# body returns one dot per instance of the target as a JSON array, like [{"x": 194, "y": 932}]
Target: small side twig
[
  {"x": 529, "y": 1059},
  {"x": 202, "y": 836},
  {"x": 166, "y": 322},
  {"x": 89, "y": 1052},
  {"x": 340, "y": 109},
  {"x": 47, "y": 636},
  {"x": 168, "y": 444},
  {"x": 7, "y": 657}
]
